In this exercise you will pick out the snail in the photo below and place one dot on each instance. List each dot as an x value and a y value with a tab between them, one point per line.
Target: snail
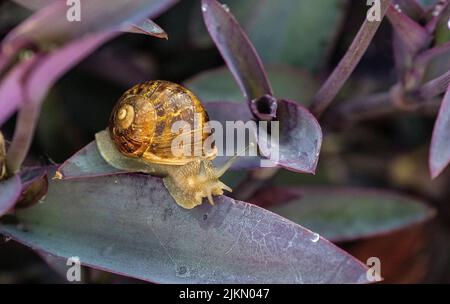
140	138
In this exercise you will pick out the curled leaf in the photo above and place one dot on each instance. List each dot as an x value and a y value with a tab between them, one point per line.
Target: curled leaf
299	141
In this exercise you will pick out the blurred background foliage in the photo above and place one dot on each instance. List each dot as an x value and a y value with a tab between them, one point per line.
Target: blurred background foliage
300	42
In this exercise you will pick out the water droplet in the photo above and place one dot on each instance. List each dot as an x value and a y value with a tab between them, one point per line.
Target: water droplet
448	23
204	7
315	237
226	8
397	7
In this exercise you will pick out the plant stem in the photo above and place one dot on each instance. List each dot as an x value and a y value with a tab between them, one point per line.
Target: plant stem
23	136
376	105
2	157
348	63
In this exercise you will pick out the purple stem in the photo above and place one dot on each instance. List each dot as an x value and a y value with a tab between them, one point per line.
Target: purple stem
348	63
23	136
434	87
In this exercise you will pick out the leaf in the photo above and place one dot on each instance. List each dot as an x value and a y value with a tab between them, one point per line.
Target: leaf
46	70
414	36
34	4
440	142
129	224
281	30
148	27
96	17
11	95
10	190
300	139
34	186
347	214
411	7
86	163
287	82
442	34
237	50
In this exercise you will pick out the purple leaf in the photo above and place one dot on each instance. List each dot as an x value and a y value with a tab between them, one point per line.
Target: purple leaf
34	4
128	224
411	7
237	50
10	190
413	35
438	15
86	163
148	27
300	138
300	135
43	75
95	17
11	91
440	142
345	214
34	186
434	56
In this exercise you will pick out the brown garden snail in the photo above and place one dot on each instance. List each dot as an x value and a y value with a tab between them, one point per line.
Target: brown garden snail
140	138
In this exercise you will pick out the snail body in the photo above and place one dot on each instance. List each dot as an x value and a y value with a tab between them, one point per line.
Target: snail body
140	139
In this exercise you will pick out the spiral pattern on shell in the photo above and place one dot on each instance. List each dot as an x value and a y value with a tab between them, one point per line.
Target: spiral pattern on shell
141	122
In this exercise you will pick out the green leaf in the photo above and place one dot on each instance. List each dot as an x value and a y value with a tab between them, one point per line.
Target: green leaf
286	31
342	214
287	82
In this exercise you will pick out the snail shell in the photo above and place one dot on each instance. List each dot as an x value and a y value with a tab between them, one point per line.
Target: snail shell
140	138
142	120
